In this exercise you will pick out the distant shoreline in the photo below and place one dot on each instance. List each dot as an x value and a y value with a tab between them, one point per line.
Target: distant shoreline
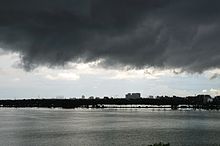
164	103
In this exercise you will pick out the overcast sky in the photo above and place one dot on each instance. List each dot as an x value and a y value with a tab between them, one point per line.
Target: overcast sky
72	48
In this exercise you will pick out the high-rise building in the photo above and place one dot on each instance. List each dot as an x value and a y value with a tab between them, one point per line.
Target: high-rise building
133	96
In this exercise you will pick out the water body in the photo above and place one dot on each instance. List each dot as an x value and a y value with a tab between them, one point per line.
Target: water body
106	127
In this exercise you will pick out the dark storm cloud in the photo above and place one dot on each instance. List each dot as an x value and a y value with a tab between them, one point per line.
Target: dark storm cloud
136	33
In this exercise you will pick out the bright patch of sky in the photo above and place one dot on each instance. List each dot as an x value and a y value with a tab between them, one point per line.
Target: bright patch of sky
75	80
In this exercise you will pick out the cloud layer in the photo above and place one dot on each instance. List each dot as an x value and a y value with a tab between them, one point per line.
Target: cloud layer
135	33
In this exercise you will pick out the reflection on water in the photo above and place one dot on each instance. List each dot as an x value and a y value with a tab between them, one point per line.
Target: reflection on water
108	127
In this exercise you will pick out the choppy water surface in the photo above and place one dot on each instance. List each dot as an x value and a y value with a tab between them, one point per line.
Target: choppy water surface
98	127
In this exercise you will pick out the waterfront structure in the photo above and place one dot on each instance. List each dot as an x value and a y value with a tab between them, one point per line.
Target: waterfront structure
133	96
201	99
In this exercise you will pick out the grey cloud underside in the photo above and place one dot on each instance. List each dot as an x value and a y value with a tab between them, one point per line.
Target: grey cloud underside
136	33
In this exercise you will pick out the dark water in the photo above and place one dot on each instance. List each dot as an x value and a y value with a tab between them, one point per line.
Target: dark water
98	127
